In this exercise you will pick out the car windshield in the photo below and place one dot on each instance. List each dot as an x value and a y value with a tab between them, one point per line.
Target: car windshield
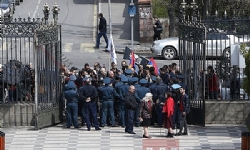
4	2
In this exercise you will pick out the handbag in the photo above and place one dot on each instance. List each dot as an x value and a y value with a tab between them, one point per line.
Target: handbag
159	29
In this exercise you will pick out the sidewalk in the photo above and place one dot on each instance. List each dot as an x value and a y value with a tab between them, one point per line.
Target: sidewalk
210	137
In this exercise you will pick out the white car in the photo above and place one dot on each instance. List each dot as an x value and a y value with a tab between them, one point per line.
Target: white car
216	45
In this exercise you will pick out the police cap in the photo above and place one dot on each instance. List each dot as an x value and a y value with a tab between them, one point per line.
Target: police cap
124	79
143	81
86	78
153	78
134	79
72	78
128	71
107	80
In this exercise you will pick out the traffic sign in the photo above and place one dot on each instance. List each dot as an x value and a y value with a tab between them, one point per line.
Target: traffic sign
131	10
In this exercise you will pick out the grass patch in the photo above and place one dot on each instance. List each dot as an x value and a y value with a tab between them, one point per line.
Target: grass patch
160	8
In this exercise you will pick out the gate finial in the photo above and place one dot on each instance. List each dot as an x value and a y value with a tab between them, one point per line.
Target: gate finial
183	10
55	11
46	12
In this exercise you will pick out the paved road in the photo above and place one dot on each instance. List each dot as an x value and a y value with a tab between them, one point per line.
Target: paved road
79	21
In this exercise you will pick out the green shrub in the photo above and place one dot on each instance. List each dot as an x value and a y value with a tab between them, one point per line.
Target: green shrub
160	8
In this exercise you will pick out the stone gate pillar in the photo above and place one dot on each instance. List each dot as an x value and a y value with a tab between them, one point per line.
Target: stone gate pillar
145	21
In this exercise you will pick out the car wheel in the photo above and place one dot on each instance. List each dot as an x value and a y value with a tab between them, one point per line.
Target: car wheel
169	53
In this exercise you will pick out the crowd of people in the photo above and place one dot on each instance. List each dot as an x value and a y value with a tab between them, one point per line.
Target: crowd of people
136	98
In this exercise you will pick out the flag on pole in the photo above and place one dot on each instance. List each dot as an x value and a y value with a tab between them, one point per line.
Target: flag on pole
111	49
127	53
132	60
153	63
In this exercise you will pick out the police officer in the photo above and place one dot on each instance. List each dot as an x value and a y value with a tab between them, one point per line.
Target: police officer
106	95
122	91
135	82
161	89
72	104
128	73
88	95
141	92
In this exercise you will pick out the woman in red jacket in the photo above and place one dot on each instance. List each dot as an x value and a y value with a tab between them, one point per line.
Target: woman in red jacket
168	110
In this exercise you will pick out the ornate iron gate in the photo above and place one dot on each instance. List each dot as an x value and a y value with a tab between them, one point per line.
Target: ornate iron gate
47	62
205	47
192	52
30	68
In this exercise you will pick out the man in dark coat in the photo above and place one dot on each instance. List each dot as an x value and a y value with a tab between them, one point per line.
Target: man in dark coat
184	109
130	107
157	28
88	95
161	89
72	104
102	31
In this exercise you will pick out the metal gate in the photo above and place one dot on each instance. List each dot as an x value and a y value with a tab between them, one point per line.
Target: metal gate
47	62
192	61
30	67
205	47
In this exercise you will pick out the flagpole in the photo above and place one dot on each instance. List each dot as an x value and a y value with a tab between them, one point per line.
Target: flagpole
110	26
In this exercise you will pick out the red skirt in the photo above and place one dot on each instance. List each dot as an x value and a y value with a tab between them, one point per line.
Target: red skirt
168	121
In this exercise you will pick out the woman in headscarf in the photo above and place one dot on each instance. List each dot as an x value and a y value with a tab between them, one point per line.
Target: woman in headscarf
146	113
168	110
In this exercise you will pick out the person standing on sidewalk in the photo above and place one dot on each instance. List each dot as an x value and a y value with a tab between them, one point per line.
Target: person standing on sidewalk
168	110
72	104
88	94
102	31
157	28
184	108
146	113
130	105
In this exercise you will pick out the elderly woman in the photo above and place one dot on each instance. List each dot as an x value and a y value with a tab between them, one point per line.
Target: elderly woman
145	113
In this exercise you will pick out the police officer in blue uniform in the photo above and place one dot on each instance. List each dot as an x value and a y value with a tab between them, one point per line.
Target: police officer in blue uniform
107	95
122	91
72	104
141	92
161	89
135	82
128	73
88	95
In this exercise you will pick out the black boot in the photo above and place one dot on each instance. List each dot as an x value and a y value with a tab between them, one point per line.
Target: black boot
170	135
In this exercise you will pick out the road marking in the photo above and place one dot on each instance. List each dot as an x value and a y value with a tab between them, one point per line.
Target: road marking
67	47
87	48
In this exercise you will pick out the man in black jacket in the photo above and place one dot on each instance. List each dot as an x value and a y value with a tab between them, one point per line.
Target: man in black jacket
130	107
88	95
157	28
102	31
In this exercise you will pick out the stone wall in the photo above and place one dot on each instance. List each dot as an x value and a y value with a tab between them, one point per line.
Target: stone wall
227	112
145	21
